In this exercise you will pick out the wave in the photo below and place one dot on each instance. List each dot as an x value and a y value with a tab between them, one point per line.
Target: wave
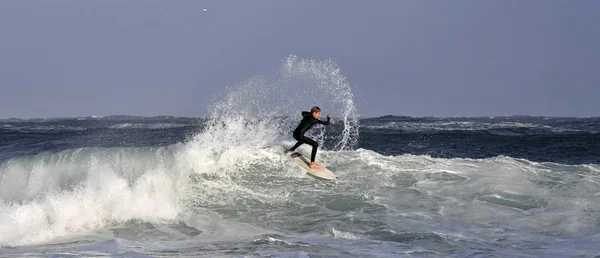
93	118
454	125
56	194
508	126
40	128
147	126
53	195
75	125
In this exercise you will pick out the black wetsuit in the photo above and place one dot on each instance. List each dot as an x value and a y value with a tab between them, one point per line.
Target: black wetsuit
307	122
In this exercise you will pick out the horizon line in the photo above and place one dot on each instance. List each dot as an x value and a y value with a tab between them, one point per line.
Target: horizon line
359	117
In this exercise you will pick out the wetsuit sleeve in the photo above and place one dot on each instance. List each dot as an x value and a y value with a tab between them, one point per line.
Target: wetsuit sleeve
305	113
324	122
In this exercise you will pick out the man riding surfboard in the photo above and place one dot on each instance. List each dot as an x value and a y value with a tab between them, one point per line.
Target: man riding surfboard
309	119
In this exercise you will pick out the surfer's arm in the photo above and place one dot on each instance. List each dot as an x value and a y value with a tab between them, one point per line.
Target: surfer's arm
324	122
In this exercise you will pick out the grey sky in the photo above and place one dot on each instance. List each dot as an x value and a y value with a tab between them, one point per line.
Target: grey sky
415	58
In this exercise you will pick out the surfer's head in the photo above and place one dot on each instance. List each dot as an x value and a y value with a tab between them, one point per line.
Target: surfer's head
315	111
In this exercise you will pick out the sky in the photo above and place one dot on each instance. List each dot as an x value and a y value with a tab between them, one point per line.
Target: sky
408	58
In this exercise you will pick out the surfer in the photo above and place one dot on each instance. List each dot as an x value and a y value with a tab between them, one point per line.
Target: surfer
309	119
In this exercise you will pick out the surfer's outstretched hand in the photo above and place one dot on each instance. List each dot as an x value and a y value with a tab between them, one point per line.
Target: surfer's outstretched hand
328	115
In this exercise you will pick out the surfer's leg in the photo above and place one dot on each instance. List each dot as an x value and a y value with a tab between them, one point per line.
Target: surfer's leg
314	145
296	146
298	138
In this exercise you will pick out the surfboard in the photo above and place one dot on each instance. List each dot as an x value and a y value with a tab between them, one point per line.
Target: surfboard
320	172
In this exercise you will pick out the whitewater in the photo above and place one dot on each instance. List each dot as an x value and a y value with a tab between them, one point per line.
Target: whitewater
221	186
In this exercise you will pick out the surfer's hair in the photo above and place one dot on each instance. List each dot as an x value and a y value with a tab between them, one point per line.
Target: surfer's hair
315	109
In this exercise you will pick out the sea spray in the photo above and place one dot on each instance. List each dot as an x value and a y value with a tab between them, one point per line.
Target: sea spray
328	81
275	102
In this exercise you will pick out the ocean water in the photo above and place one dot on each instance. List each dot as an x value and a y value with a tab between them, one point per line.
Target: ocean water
220	186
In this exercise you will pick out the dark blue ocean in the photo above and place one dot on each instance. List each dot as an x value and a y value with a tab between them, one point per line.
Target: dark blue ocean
566	140
221	186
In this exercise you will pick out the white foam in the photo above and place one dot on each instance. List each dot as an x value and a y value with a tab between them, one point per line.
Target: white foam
344	235
218	229
516	193
74	192
54	195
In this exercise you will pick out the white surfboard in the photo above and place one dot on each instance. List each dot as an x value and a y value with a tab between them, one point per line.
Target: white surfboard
320	172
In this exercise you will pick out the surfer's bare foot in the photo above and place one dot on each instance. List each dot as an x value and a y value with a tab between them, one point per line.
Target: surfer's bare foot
288	152
314	165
